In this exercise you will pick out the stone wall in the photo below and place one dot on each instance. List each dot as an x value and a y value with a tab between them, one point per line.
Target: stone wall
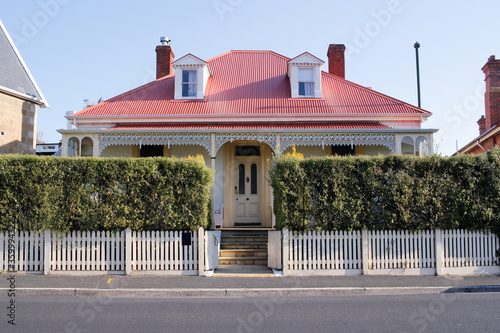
17	125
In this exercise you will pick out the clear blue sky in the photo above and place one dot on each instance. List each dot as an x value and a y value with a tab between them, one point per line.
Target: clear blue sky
80	50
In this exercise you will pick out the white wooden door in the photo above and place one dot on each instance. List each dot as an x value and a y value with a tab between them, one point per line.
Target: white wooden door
247	190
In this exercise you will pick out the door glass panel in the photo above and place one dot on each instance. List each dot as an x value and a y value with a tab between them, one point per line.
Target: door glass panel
253	175
241	178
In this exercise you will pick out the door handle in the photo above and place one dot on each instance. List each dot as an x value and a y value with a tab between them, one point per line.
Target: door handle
247	199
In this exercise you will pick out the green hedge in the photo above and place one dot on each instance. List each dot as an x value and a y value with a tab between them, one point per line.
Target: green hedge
103	194
392	192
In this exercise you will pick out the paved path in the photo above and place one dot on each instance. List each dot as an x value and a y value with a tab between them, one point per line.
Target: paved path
184	286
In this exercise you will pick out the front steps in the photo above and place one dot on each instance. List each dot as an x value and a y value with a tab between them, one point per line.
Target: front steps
243	247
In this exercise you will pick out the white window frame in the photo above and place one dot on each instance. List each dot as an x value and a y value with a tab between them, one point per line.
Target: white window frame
305	95
189	83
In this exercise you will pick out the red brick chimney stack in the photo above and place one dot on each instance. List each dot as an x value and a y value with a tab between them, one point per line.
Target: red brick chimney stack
336	62
482	125
164	58
492	96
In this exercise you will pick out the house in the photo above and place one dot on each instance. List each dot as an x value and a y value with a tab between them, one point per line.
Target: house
489	124
237	110
20	98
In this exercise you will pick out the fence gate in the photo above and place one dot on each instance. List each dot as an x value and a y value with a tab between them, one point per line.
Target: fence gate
274	250
212	249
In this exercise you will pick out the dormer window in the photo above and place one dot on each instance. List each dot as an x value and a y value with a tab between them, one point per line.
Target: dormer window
306	82
191	77
189	83
305	76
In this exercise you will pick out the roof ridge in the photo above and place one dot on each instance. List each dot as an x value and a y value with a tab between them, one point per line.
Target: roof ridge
248	51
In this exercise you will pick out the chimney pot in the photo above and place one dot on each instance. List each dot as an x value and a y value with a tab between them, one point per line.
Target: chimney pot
336	62
482	125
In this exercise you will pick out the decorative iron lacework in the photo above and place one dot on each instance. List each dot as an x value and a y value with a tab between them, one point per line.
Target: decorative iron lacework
106	140
221	139
387	140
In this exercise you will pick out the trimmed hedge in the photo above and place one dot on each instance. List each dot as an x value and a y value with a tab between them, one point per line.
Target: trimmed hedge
391	192
103	194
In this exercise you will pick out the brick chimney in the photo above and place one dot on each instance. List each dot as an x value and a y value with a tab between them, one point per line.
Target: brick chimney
482	125
164	58
492	96
336	64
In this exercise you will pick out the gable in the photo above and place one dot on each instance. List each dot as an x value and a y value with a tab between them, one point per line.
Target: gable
15	77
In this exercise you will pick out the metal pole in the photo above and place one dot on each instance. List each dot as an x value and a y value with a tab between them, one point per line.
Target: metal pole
416	46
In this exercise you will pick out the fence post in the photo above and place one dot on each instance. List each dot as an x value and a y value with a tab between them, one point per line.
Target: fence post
201	251
364	252
128	251
439	251
46	252
286	252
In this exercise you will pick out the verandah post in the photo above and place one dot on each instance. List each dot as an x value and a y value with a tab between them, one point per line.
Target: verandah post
439	251
364	252
46	252
128	251
201	251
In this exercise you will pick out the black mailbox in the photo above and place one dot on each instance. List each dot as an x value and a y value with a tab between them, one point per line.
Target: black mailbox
186	238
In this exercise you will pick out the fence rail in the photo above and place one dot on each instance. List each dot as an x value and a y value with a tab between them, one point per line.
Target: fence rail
45	252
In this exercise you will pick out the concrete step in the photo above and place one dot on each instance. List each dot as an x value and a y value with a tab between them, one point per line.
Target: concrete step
243	261
243	245
243	239
243	253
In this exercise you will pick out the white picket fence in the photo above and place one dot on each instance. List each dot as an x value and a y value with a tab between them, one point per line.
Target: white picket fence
163	251
456	252
333	253
411	252
105	252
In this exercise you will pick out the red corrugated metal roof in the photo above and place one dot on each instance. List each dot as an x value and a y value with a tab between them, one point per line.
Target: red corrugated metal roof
256	126
250	83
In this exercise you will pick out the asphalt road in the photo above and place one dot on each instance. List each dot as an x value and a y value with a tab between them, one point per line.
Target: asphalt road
375	313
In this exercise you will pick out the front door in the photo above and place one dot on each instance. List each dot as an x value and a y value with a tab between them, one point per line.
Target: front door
247	190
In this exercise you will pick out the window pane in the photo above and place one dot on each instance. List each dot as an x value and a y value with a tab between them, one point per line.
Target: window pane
306	88
306	74
241	179
189	90
253	174
188	76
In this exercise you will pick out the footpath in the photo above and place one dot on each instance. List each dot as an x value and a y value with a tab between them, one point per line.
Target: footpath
240	286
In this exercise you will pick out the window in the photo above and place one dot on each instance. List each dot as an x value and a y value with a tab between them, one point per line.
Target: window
343	150
306	82
151	151
189	84
247	150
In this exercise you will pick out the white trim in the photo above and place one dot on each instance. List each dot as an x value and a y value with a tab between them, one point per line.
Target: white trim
43	102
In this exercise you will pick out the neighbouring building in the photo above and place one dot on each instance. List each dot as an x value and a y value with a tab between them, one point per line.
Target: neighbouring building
20	98
237	110
489	124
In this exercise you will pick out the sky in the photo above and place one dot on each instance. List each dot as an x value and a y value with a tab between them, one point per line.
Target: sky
78	50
